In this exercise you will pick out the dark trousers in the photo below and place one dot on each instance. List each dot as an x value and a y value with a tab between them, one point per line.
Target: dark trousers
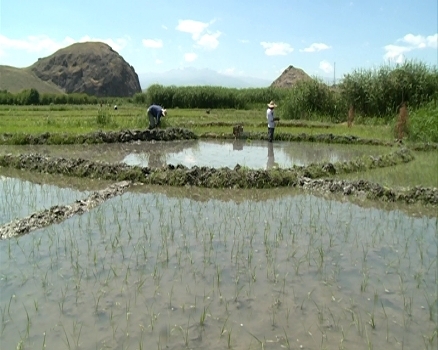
271	134
153	121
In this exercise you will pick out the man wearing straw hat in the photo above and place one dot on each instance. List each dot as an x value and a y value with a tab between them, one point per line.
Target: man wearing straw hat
271	120
155	113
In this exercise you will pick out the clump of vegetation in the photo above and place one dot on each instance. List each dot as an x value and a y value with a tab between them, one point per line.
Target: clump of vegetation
423	124
103	118
380	92
350	119
402	122
312	99
207	97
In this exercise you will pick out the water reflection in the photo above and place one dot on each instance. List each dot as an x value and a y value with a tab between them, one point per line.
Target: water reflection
211	153
238	145
271	156
157	159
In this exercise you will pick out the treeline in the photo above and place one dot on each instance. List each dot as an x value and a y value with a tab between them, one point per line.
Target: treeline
33	97
207	96
372	93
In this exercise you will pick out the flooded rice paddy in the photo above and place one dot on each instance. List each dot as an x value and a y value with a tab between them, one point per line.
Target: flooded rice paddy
152	270
220	153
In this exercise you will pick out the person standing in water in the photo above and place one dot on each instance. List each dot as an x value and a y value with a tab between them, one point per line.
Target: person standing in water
271	120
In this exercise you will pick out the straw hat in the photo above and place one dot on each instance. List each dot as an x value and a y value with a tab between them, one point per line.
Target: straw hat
272	104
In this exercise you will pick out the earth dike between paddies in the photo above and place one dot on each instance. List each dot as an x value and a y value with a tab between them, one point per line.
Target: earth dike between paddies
169	134
59	213
315	177
175	134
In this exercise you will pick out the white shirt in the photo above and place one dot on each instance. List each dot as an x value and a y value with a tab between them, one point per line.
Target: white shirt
270	118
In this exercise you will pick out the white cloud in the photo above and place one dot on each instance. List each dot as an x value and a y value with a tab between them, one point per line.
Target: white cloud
409	42
190	56
325	66
315	47
432	41
202	37
209	41
395	53
192	27
158	61
152	43
276	49
164	27
45	44
244	41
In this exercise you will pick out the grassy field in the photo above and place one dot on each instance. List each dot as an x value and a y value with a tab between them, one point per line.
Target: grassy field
88	118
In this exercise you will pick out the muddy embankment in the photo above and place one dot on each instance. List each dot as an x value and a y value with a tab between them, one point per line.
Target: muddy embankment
324	138
169	134
59	213
174	134
315	177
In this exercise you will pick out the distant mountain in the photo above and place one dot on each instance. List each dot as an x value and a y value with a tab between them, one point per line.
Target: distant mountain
92	67
290	77
192	77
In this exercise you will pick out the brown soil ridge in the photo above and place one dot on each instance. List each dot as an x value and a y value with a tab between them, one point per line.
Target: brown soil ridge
59	213
315	177
168	134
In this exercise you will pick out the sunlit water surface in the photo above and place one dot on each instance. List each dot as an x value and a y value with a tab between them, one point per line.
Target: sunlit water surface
149	270
219	153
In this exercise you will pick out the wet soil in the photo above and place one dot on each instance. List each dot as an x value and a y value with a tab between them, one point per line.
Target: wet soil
59	213
170	134
312	177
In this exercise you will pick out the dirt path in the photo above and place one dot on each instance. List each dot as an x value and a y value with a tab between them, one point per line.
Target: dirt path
59	213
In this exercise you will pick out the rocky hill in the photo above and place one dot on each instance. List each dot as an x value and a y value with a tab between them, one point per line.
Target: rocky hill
93	68
290	77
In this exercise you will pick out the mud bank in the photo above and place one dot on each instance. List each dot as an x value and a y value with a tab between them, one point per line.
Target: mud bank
177	133
59	213
323	138
372	190
169	134
239	177
180	175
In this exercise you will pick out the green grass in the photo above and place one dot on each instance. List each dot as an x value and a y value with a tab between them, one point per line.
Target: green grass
88	118
84	119
422	171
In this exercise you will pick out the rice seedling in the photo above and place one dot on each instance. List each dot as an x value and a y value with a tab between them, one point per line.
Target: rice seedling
221	262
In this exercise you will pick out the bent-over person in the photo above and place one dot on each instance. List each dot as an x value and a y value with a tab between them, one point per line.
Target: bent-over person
155	112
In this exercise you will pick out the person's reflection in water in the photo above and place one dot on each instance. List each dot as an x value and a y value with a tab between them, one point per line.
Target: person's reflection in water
156	160
271	158
238	145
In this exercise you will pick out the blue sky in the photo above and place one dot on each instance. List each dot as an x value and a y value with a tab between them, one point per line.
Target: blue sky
251	38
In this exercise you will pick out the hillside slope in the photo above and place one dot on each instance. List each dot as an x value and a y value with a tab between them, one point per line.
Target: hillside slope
17	79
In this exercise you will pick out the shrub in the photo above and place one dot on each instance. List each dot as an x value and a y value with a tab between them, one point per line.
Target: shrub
423	124
103	118
312	99
380	92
